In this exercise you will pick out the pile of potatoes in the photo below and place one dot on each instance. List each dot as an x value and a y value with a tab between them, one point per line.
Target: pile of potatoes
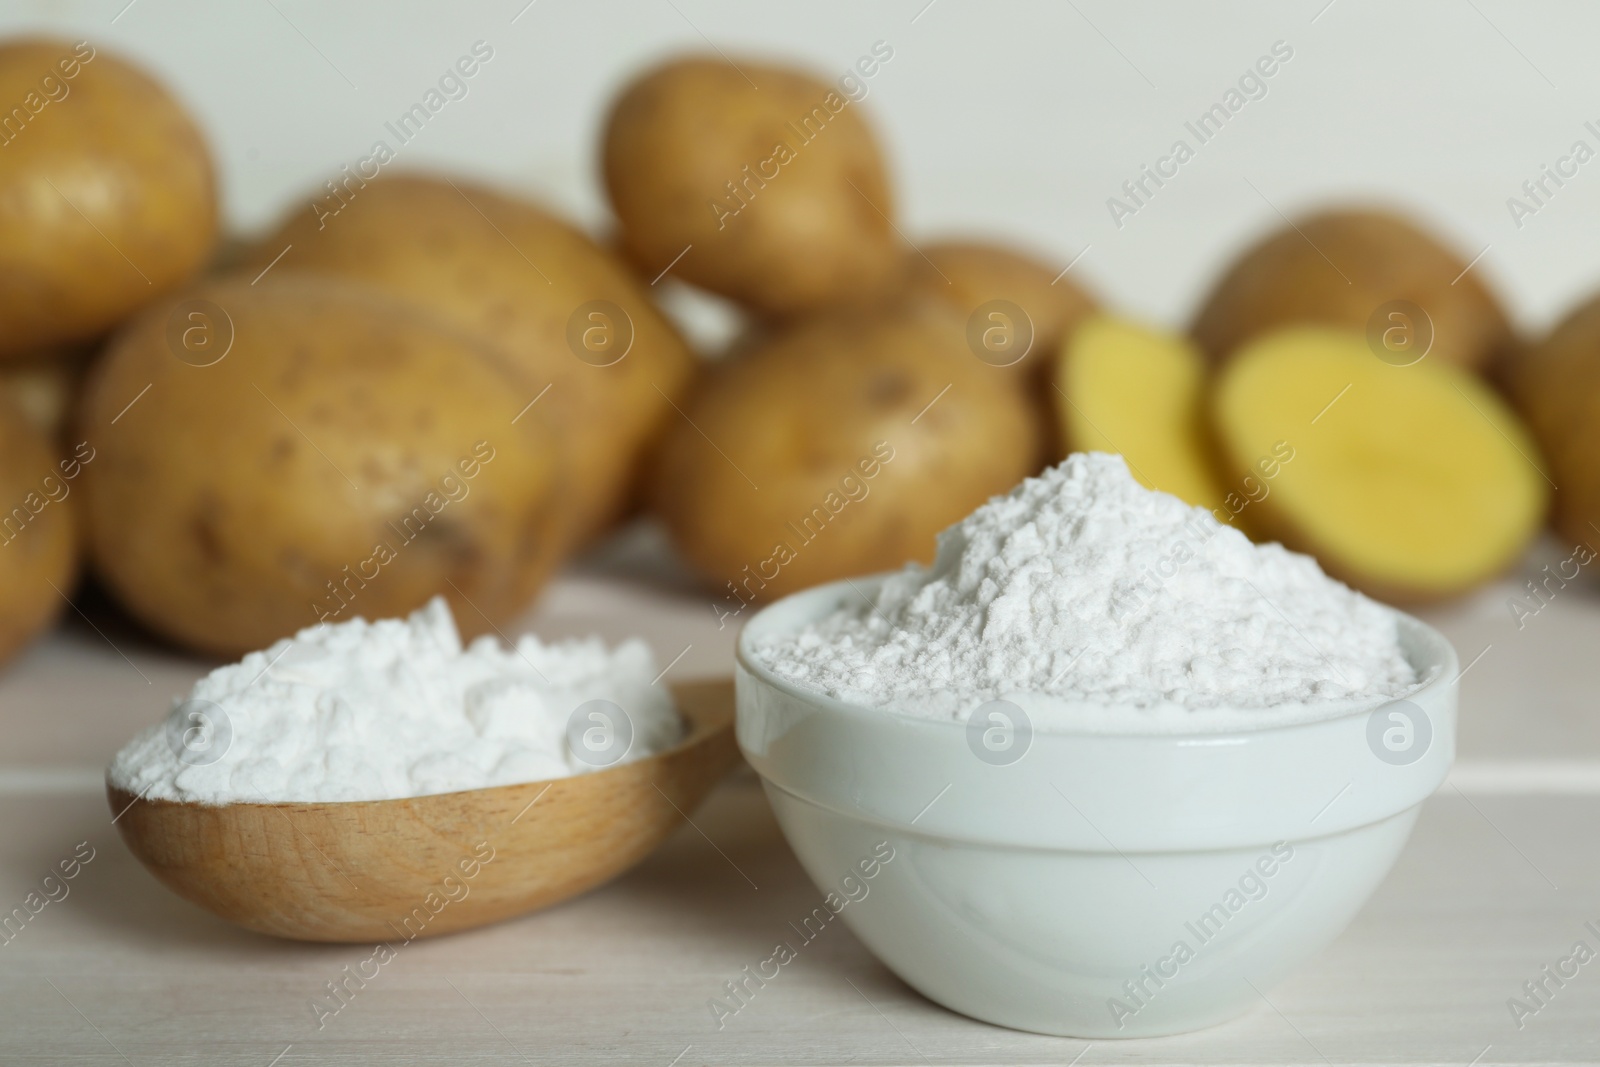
1328	395
883	389
1332	395
419	385
415	386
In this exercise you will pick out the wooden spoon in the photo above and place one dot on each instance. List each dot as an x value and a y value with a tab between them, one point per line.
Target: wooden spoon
387	869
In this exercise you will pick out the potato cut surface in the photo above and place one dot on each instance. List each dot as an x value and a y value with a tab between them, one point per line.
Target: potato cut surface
1128	389
1409	482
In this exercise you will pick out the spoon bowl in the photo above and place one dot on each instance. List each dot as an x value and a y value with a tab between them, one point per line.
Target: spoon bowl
422	866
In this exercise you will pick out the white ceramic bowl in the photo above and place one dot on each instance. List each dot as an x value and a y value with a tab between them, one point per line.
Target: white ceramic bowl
1101	885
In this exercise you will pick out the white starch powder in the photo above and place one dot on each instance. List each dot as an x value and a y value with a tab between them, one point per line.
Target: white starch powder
1084	586
398	708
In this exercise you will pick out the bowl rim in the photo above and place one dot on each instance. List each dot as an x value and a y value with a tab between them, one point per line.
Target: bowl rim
1442	668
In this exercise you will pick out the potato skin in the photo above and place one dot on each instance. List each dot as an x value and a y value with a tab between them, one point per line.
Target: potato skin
809	228
838	414
1555	386
966	274
1376	257
38	530
515	276
45	387
235	503
107	196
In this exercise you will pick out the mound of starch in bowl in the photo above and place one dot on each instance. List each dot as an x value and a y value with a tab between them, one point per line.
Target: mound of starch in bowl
1083	585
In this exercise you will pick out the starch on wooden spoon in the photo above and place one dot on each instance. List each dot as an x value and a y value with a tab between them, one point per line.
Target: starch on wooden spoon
360	711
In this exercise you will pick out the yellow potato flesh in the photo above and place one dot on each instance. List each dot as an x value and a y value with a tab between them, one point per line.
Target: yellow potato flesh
1414	481
1127	389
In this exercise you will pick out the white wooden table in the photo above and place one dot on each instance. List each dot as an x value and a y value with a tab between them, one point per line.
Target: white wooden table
1498	881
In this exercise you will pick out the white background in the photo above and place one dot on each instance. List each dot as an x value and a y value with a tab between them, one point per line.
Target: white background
1011	118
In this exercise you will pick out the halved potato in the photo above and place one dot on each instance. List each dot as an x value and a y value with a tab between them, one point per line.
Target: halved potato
1411	483
1358	270
1125	388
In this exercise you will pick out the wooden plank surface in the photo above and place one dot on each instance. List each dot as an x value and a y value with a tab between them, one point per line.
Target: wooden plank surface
1489	891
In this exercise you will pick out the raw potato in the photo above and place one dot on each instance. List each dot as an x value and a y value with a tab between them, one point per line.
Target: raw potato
1556	387
969	274
1410	483
520	278
1124	388
107	197
1338	268
343	456
38	530
45	388
836	449
805	226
